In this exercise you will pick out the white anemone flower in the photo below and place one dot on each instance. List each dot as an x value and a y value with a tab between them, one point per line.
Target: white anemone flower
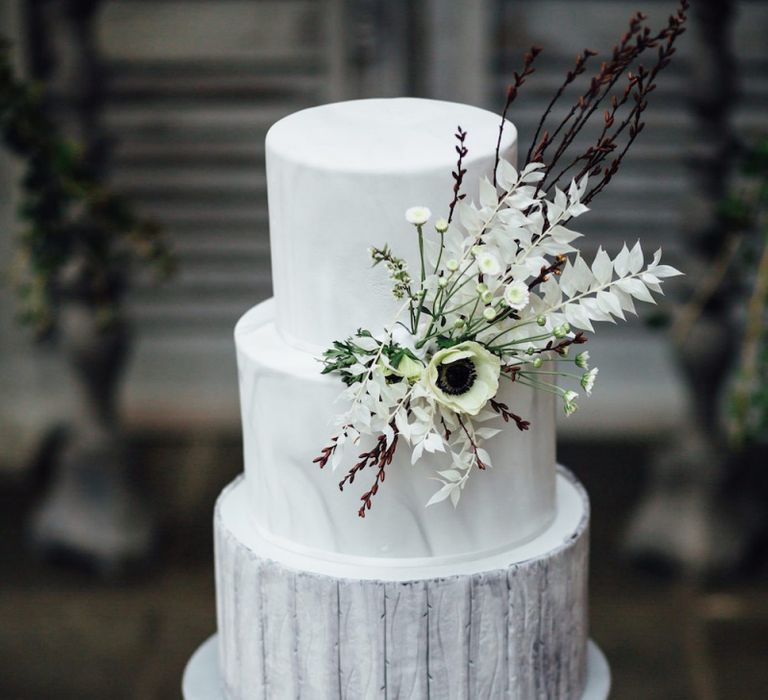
463	378
488	264
517	295
418	216
582	360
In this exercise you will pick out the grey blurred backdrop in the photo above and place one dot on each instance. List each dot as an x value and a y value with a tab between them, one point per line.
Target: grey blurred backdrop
191	87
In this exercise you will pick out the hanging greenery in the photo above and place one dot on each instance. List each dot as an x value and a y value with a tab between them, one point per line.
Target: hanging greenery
79	238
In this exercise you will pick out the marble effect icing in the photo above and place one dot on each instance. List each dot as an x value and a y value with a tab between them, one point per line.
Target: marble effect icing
339	179
287	411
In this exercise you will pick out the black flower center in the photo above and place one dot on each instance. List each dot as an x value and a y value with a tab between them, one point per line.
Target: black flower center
456	377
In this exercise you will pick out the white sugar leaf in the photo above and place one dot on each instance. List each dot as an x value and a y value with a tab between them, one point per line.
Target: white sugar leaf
553	295
488	195
608	302
561	201
636	288
583	277
554	211
649	278
602	267
521	198
469	217
450	474
486	433
416	452
656	258
625	301
564	235
441	494
389	434
455	495
484	457
666	271
621	262
635	258
533	166
577	209
568	279
512	217
401	421
552	247
593	310
433	443
533	177
506	175
577	316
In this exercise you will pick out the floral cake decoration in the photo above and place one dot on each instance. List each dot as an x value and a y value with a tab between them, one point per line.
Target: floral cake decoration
501	293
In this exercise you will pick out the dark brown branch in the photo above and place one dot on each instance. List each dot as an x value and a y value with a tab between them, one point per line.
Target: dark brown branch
579	68
479	462
379	456
512	90
503	410
458	174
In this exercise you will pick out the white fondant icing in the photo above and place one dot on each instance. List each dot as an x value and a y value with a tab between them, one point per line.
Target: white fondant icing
288	409
340	178
572	516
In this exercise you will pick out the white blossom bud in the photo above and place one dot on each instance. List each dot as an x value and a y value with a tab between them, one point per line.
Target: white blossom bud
481	287
441	225
486	296
582	360
489	313
560	331
537	362
442	282
541	320
452	264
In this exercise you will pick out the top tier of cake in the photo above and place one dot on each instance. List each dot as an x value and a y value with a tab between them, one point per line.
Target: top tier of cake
340	178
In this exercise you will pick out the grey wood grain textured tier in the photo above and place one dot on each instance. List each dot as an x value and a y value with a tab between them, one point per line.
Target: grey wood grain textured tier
518	632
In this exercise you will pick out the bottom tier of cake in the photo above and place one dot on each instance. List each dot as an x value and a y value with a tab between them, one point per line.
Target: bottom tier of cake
512	625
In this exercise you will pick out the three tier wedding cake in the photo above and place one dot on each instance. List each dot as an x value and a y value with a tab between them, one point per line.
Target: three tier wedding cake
458	569
478	600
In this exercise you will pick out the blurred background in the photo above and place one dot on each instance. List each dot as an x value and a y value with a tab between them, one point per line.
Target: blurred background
118	389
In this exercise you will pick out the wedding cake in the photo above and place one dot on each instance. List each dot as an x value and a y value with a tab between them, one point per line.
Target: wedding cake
487	599
459	568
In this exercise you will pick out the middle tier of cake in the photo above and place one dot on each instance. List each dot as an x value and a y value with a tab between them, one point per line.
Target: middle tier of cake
288	408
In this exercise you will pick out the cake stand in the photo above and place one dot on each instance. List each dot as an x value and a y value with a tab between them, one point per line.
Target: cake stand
202	681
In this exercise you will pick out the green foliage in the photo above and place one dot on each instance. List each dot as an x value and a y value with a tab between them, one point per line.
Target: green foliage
748	401
78	236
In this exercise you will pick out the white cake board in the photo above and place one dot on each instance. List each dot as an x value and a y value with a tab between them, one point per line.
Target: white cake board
201	680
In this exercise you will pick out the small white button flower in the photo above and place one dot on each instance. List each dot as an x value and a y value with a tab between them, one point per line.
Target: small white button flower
452	265
488	264
582	360
517	295
569	402
418	216
489	313
588	380
487	296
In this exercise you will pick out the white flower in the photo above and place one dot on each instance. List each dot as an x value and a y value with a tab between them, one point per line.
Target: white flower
588	380
569	402
488	264
516	295
418	216
582	360
464	377
489	313
441	225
